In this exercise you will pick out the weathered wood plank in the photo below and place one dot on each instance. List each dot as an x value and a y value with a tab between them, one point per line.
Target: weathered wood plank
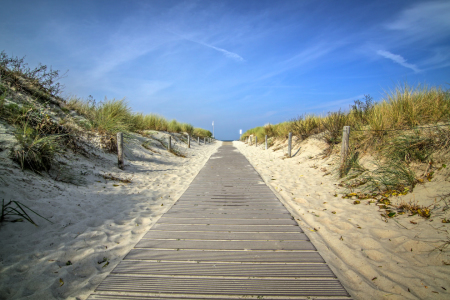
214	286
225	245
177	219
229	228
248	236
224	269
228	215
226	256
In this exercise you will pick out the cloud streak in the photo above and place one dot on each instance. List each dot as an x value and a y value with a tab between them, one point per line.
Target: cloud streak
398	59
228	54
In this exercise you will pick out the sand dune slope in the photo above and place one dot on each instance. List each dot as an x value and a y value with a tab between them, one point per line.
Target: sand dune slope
373	259
95	223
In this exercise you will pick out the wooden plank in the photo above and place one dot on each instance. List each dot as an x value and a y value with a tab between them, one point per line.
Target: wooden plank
215	286
236	209
121	296
224	269
217	205
233	220
248	236
228	215
230	228
225	245
225	256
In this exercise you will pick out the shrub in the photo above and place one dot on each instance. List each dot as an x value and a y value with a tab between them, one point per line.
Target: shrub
174	126
35	151
41	80
304	126
200	132
333	124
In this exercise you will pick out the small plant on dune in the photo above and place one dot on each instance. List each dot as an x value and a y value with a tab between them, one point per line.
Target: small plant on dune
391	175
333	124
174	126
304	126
410	147
415	209
361	110
41	82
35	151
269	130
187	128
112	116
18	210
202	133
351	166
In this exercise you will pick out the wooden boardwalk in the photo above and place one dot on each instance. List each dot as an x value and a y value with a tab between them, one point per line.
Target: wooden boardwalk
227	237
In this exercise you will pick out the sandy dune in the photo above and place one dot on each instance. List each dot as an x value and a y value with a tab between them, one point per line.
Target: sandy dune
97	219
372	258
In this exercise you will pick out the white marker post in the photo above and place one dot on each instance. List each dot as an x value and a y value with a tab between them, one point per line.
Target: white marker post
240	134
213	128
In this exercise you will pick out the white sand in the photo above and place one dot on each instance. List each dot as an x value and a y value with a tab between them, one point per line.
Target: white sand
101	218
372	258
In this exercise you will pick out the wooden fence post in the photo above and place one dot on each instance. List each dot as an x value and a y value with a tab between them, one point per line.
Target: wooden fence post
345	144
169	145
204	141
256	141
189	141
198	140
251	140
120	150
266	142
290	144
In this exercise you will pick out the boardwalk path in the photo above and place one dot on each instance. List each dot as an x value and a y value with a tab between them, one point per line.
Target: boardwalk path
228	236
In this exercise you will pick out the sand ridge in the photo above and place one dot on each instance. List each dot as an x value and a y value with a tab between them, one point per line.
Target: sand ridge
372	258
95	223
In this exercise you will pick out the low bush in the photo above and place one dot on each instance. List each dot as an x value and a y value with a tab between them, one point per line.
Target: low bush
35	150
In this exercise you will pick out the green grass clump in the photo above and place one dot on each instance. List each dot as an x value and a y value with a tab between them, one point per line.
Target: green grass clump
35	151
391	175
202	133
304	126
187	128
112	116
174	126
155	122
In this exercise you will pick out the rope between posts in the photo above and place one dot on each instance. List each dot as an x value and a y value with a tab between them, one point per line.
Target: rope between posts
408	129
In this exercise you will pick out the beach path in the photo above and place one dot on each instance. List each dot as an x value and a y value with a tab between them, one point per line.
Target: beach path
227	237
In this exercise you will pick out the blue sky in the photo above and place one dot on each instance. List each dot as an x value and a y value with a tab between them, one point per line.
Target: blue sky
240	63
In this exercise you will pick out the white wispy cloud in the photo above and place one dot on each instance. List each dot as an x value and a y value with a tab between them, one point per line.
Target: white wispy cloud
229	54
307	55
430	20
398	59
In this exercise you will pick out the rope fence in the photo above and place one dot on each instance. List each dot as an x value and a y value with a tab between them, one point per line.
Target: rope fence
345	148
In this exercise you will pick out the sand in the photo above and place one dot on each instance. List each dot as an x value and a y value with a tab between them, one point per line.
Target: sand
374	259
95	219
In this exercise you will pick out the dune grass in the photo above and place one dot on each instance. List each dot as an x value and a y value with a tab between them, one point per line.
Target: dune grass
410	124
43	131
112	116
202	133
402	108
19	210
